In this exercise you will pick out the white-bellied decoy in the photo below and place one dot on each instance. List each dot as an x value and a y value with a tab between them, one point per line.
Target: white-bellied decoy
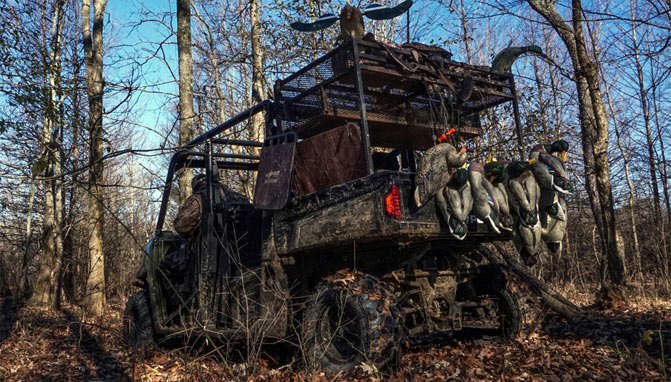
497	175
485	204
554	225
455	203
523	196
549	170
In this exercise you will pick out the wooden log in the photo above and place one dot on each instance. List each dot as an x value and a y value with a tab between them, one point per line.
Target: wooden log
554	300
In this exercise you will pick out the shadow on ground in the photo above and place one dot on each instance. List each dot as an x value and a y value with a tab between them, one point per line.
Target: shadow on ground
7	317
627	332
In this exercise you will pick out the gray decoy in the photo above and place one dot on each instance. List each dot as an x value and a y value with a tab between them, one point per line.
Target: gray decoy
549	170
497	175
483	194
455	203
523	196
554	226
434	170
503	61
523	192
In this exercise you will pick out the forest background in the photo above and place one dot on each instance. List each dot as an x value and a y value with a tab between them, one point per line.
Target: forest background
90	113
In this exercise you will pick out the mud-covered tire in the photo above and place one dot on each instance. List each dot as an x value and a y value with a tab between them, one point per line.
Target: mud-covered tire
351	318
137	329
530	308
519	309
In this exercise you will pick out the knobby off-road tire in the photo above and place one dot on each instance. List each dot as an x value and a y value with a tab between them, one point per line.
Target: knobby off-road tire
351	318
137	325
520	310
530	306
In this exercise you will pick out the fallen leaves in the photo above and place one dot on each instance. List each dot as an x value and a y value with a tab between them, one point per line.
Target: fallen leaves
615	346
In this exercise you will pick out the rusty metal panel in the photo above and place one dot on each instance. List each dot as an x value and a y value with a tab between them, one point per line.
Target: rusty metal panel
273	181
329	158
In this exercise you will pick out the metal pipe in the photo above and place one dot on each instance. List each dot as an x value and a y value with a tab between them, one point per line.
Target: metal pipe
365	137
223	155
236	142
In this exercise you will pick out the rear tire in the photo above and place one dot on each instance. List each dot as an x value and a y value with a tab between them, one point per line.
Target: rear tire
519	309
350	319
137	324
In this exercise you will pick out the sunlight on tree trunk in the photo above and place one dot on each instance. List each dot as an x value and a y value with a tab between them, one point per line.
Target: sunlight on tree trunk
93	46
186	113
47	287
594	128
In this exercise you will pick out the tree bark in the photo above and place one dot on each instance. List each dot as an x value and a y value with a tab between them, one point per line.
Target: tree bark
48	287
645	110
594	129
258	80
93	47
186	113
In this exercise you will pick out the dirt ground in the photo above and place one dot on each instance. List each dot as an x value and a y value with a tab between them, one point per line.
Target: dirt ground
37	344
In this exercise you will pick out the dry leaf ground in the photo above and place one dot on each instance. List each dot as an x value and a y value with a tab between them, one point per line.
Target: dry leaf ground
37	344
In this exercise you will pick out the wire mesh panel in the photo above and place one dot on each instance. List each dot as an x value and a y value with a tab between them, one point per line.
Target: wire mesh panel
411	94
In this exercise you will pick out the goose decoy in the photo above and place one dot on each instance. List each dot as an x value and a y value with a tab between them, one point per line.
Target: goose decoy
482	192
455	203
434	170
503	61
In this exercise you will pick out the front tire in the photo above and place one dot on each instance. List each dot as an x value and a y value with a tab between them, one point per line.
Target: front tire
137	325
350	319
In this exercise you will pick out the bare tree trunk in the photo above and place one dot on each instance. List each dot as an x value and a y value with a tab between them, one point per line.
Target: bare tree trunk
258	89
186	114
465	37
665	182
258	81
627	173
594	127
47	287
93	47
645	109
70	263
214	61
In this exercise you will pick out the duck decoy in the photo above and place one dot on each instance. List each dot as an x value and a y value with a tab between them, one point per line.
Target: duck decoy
485	203
455	203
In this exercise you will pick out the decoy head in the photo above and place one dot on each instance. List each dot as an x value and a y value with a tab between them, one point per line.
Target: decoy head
561	147
458	179
495	172
517	168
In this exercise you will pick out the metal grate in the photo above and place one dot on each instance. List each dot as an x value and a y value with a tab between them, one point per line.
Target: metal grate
410	96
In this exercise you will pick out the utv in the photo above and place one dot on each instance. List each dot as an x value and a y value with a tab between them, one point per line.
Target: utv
332	253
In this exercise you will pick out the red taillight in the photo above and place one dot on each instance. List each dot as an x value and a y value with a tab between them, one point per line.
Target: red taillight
392	203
